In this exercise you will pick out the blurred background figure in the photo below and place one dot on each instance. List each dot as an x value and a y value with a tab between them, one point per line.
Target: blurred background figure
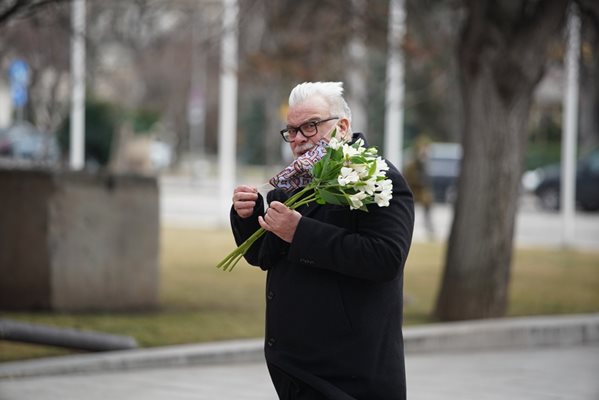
416	173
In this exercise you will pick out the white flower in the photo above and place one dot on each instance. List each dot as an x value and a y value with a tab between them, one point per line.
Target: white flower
348	175
382	198
368	186
371	153
335	144
356	200
349	151
361	169
384	185
381	165
360	144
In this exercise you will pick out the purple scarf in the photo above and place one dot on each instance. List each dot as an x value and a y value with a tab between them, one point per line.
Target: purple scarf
297	174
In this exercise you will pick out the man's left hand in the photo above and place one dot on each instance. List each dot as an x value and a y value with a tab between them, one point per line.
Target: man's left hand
280	220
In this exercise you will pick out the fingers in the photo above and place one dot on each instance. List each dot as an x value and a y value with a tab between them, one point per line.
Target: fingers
280	220
245	188
278	207
245	193
264	224
244	200
272	217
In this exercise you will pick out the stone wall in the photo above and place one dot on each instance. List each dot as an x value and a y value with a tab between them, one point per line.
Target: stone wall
78	241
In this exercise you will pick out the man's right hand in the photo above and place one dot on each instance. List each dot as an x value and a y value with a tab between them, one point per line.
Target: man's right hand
244	200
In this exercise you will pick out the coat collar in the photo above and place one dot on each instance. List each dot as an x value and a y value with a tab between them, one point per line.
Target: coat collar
358	135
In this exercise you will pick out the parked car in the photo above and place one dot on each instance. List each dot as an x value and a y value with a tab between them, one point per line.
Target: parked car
24	141
443	167
545	183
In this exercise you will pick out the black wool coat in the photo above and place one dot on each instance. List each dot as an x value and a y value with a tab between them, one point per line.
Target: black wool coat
334	296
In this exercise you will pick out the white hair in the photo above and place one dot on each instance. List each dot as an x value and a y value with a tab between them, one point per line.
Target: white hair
331	92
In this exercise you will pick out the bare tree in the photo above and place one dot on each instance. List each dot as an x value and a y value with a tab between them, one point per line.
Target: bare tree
589	86
502	54
39	39
12	9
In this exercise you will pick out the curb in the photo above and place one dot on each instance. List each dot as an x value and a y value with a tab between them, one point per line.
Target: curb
443	337
522	332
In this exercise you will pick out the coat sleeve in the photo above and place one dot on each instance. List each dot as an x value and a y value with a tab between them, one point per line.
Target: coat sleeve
243	228
269	248
375	248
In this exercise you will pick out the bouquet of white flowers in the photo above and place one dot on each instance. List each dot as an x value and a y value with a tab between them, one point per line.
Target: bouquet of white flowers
347	175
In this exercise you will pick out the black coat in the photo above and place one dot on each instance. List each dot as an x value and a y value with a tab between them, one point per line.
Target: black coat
334	295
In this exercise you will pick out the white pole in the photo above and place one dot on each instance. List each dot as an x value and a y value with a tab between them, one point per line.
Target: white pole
395	83
77	152
196	113
356	68
227	113
570	127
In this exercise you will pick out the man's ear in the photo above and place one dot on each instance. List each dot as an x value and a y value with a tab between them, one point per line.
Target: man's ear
343	128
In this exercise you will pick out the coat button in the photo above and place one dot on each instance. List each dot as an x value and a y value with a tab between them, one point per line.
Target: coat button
271	342
270	295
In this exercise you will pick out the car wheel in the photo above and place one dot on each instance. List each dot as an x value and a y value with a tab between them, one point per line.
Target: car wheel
549	198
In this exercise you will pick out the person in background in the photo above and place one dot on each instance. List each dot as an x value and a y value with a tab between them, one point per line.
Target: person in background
416	173
334	284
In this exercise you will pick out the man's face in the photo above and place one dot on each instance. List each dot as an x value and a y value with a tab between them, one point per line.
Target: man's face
314	109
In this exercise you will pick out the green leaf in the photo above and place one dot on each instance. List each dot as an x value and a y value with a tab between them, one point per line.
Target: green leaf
317	170
332	173
372	169
331	197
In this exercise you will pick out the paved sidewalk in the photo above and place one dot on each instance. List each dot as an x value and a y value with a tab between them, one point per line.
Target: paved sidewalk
533	374
518	358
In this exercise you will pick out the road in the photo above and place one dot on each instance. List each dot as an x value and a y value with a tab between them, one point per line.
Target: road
190	203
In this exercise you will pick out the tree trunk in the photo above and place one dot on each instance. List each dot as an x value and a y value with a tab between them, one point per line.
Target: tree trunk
501	56
589	84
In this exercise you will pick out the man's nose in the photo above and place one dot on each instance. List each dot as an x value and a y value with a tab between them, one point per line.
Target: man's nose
300	138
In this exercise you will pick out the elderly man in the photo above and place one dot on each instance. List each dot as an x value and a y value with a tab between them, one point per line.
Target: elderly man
334	275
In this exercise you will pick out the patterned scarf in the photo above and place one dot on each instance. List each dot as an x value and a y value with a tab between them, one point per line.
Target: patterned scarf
297	174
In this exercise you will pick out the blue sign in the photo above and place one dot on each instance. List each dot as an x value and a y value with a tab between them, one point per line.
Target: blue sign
18	73
18	95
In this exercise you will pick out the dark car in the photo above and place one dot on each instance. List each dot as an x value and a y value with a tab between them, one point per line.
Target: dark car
545	184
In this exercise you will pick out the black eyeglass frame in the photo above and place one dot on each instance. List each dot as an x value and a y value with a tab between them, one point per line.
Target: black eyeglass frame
299	128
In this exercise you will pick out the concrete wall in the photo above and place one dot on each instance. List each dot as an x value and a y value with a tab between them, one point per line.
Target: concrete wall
78	241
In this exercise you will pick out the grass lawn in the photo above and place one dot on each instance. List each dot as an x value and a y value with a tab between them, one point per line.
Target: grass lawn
200	303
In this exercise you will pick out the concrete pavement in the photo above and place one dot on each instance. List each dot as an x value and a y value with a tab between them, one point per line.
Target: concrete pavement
568	373
519	358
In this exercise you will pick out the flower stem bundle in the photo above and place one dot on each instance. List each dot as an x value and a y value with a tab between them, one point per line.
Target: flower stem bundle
347	175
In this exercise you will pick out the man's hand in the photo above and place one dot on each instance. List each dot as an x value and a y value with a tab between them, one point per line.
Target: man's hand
280	220
244	200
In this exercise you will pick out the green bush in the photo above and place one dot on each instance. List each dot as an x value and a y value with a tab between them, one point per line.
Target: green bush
101	122
102	119
542	154
143	120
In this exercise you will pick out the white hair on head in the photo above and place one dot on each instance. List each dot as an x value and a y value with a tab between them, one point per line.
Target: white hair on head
331	92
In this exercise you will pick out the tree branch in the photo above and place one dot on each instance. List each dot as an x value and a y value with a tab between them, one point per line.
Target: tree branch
24	8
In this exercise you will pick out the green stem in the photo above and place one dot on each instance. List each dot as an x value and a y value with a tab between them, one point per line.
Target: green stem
306	200
290	201
231	260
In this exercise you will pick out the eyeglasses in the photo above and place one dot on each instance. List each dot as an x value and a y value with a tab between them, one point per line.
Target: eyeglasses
308	129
